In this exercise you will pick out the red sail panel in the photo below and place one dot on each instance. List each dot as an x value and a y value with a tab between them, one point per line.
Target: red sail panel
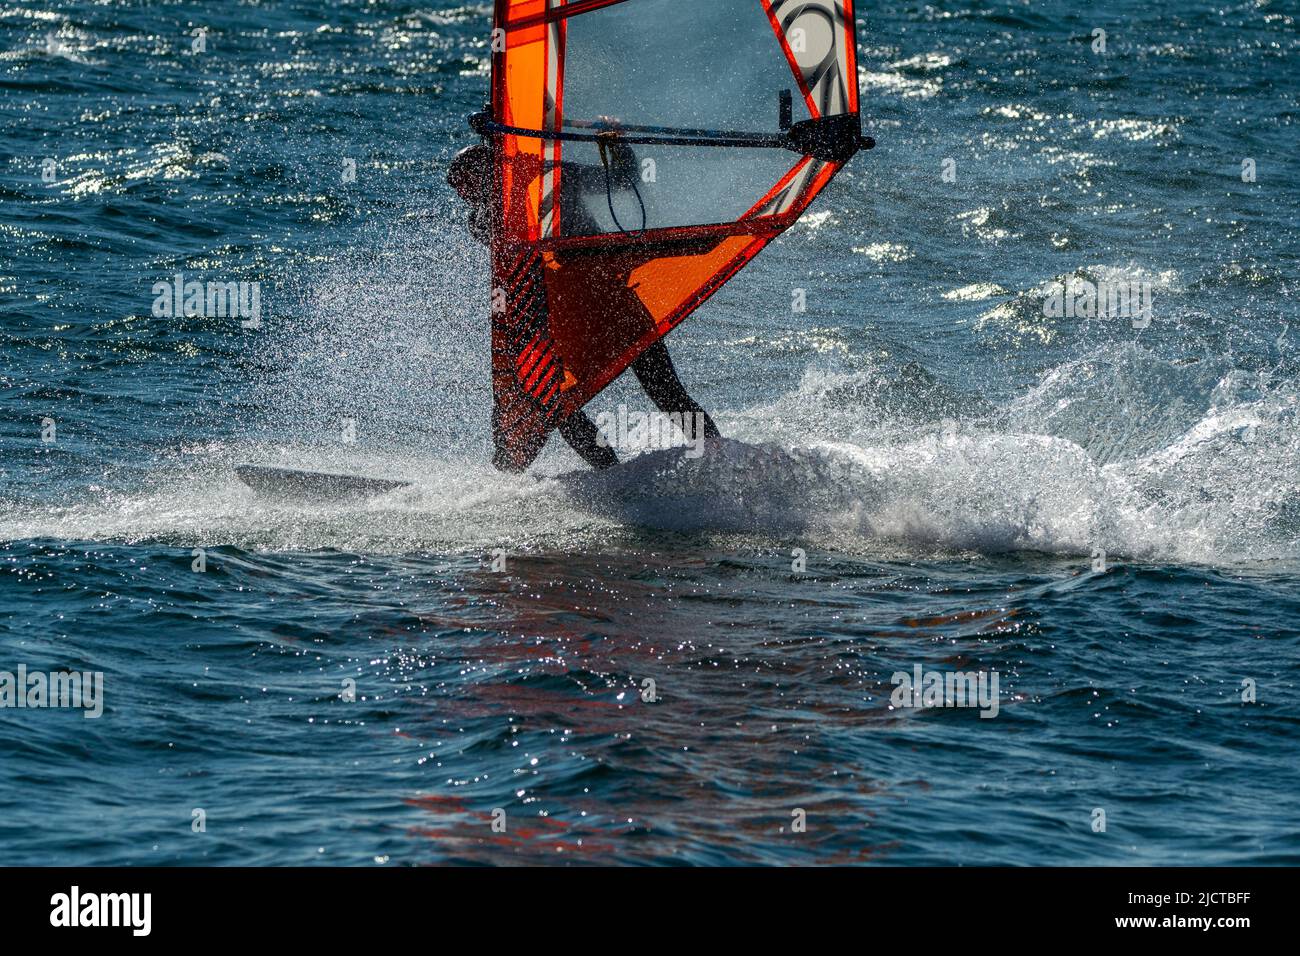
597	256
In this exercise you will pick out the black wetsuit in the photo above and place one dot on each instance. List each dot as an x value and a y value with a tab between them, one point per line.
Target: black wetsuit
654	368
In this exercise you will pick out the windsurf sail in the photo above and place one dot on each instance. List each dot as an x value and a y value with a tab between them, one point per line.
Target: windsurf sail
646	151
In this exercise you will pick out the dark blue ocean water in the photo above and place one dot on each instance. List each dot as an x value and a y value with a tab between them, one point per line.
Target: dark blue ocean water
946	458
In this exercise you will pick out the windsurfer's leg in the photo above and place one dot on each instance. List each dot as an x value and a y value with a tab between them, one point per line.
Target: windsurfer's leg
654	370
582	435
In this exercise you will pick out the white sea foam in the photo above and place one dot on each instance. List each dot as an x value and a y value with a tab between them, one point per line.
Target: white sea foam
1213	480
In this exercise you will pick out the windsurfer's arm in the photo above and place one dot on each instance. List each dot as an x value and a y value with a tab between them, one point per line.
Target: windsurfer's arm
622	163
587	179
619	167
618	155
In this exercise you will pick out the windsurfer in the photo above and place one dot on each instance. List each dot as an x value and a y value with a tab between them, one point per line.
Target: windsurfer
472	175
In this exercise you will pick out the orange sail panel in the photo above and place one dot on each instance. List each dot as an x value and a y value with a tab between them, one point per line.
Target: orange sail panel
643	159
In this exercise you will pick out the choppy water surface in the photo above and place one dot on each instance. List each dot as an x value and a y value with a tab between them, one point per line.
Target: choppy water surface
924	467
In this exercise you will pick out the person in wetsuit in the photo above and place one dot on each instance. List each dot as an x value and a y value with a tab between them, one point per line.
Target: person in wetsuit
472	175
